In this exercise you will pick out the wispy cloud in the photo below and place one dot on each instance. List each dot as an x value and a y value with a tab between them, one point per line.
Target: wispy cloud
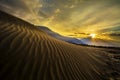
68	16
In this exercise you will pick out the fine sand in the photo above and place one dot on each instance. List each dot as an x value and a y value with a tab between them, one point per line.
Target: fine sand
27	53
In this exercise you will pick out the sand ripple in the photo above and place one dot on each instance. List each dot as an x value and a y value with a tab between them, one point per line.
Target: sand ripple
27	53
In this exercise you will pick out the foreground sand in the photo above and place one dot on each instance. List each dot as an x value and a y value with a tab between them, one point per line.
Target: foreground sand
27	53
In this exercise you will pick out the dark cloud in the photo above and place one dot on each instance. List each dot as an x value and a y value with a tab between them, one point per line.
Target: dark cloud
14	4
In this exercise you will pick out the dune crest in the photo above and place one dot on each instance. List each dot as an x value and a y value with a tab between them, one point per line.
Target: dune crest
27	53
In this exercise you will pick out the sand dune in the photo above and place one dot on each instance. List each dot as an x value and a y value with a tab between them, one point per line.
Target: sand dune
27	53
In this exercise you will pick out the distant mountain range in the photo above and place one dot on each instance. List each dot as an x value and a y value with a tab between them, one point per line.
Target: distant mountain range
60	37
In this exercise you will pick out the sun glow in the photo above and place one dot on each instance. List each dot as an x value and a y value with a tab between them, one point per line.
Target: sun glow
92	35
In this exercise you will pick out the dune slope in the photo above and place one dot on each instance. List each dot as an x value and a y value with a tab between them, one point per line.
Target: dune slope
27	53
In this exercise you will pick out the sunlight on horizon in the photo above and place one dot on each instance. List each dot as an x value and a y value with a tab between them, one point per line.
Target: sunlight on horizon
92	35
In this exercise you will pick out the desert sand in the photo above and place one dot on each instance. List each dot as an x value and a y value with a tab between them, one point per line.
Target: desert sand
27	53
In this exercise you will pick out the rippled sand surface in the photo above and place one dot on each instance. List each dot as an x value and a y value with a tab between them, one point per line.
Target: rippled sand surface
27	53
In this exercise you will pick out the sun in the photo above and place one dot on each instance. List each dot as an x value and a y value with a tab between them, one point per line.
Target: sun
92	35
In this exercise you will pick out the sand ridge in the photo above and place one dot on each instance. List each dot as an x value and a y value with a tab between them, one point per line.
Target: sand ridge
27	53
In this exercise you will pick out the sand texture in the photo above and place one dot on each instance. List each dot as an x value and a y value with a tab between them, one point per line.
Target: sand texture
27	53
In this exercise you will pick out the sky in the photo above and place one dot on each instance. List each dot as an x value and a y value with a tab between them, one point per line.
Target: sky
68	17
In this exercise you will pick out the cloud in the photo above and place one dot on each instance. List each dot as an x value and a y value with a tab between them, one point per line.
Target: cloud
67	16
14	4
114	29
